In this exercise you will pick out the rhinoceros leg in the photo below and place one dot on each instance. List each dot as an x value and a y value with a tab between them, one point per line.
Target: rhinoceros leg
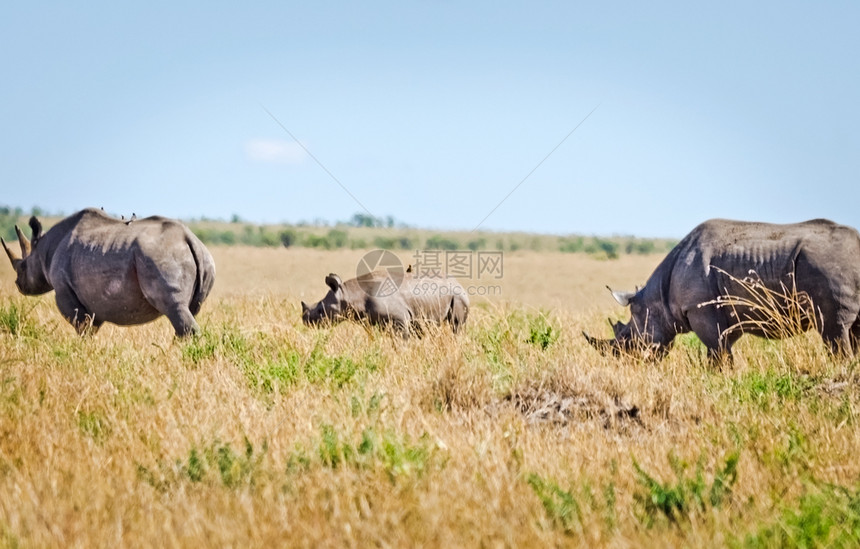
75	313
855	336
183	322
403	324
713	335
168	286
390	314
838	338
457	313
411	328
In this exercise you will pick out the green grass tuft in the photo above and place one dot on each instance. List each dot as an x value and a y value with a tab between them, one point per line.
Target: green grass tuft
687	495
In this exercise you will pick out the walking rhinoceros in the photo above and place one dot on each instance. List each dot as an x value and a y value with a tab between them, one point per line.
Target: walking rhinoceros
107	270
404	306
727	278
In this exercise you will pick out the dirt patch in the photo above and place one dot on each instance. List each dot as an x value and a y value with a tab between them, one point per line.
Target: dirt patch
838	386
545	406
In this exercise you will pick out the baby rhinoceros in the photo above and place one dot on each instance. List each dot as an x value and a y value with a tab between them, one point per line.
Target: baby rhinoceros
377	299
104	269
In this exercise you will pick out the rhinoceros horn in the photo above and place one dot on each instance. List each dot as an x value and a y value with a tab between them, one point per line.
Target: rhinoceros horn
617	327
13	257
602	345
623	298
25	248
304	307
25	244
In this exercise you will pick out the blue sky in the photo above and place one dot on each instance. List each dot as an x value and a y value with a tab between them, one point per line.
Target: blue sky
433	111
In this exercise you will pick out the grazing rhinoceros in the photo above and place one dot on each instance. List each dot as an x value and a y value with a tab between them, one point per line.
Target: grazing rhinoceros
376	298
124	272
727	278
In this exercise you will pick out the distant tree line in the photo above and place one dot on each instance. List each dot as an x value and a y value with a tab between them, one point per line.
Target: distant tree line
364	231
613	247
344	237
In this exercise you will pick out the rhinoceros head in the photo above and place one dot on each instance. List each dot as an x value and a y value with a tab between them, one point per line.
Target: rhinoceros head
331	308
645	334
28	267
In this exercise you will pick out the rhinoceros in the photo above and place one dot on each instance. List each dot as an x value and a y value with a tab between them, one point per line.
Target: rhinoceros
105	269
727	278
378	299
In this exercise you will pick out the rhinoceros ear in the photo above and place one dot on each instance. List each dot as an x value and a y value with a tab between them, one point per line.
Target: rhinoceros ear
304	307
623	298
36	227
334	282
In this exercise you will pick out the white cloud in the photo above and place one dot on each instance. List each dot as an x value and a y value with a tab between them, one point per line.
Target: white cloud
278	151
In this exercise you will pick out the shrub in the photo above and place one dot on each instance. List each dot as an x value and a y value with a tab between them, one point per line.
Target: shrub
385	242
600	246
541	332
438	242
477	244
289	237
573	244
317	241
643	247
338	238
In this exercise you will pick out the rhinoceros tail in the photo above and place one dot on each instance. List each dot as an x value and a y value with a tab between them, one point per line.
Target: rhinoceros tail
205	272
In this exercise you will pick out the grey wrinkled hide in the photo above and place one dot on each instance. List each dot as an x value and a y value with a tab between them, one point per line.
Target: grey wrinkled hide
124	272
818	260
417	301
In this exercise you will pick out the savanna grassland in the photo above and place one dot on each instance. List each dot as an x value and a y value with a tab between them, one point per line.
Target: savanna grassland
513	433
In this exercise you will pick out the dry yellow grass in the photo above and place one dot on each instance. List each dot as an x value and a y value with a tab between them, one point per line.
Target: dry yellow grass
515	433
573	282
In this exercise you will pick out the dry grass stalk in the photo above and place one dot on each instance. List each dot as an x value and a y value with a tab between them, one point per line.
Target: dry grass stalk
777	313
